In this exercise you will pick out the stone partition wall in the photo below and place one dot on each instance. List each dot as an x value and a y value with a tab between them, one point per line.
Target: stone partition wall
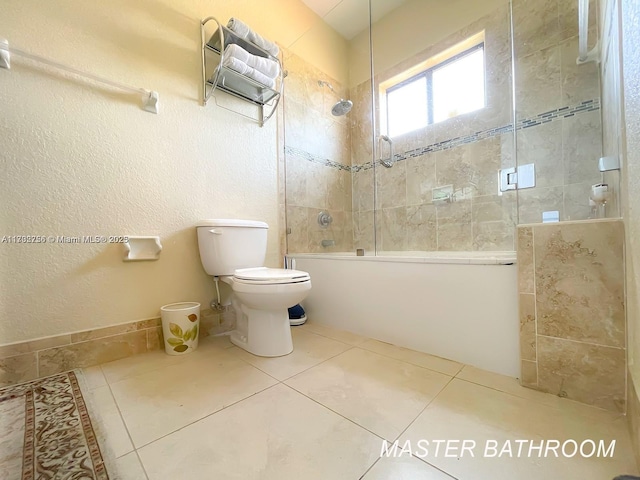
317	161
572	311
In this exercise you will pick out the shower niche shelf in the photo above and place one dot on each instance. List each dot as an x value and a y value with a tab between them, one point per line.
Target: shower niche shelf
218	78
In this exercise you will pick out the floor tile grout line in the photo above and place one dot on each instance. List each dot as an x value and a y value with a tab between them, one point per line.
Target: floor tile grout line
333	411
362	347
206	416
572	402
318	364
432	465
308	330
185	358
144	470
425	407
298	373
462	365
124	424
278	382
361	477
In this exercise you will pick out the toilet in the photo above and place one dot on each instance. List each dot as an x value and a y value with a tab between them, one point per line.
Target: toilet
234	250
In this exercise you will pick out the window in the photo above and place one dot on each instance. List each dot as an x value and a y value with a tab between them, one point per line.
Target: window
442	88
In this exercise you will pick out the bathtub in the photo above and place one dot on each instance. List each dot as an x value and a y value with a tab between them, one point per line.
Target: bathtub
458	305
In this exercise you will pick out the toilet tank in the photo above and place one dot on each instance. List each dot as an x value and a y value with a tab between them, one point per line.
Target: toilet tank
228	244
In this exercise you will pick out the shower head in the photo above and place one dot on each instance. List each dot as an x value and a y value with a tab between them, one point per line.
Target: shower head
342	107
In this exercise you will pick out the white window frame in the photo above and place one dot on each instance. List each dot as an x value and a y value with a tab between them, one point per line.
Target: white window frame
426	68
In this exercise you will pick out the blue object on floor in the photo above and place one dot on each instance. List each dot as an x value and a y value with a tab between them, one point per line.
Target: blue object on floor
296	312
297	315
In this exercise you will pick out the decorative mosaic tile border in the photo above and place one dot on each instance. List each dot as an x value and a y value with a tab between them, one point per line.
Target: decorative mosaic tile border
315	159
540	119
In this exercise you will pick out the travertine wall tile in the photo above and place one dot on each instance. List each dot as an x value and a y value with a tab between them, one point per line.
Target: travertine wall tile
581	148
421	179
576	201
102	332
524	249
542	146
150	323
535	25
527	309
576	282
392	186
532	202
33	345
92	352
579	282
529	374
579	82
588	373
18	368
422	228
155	338
455	237
538	82
393	229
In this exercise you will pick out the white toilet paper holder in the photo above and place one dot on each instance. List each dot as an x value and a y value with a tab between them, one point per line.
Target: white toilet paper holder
139	248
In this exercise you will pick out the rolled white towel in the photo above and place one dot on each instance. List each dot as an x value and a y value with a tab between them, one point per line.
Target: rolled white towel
239	66
269	67
242	29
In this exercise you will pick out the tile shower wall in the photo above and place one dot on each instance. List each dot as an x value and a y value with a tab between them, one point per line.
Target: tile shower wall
565	141
558	128
572	311
317	161
464	152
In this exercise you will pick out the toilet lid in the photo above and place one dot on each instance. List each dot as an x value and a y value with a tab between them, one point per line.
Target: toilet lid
270	275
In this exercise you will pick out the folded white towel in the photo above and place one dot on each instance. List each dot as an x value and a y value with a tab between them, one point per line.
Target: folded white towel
239	66
269	67
242	29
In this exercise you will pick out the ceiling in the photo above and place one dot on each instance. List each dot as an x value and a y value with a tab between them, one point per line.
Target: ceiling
350	17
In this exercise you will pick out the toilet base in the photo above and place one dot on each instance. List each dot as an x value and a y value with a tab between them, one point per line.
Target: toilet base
268	333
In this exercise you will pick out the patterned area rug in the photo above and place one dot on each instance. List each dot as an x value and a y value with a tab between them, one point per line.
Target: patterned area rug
46	432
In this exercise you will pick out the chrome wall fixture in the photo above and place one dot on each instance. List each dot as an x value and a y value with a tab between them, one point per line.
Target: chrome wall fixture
584	54
324	219
150	98
387	162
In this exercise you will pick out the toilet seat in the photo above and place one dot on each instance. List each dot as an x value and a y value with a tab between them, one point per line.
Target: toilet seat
269	276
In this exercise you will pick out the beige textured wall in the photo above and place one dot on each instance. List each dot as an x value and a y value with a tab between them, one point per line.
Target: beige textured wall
630	18
79	159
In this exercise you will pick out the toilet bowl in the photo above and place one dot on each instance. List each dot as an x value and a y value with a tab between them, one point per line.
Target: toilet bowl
234	250
262	298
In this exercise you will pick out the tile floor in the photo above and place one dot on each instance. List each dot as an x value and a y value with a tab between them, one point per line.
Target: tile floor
323	412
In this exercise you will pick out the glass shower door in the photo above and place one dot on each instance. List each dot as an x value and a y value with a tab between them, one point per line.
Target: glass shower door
442	90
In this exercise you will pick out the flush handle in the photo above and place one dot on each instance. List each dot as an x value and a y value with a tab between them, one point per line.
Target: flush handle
215	232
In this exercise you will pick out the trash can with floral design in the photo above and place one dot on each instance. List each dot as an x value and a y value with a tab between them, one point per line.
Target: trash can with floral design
180	327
